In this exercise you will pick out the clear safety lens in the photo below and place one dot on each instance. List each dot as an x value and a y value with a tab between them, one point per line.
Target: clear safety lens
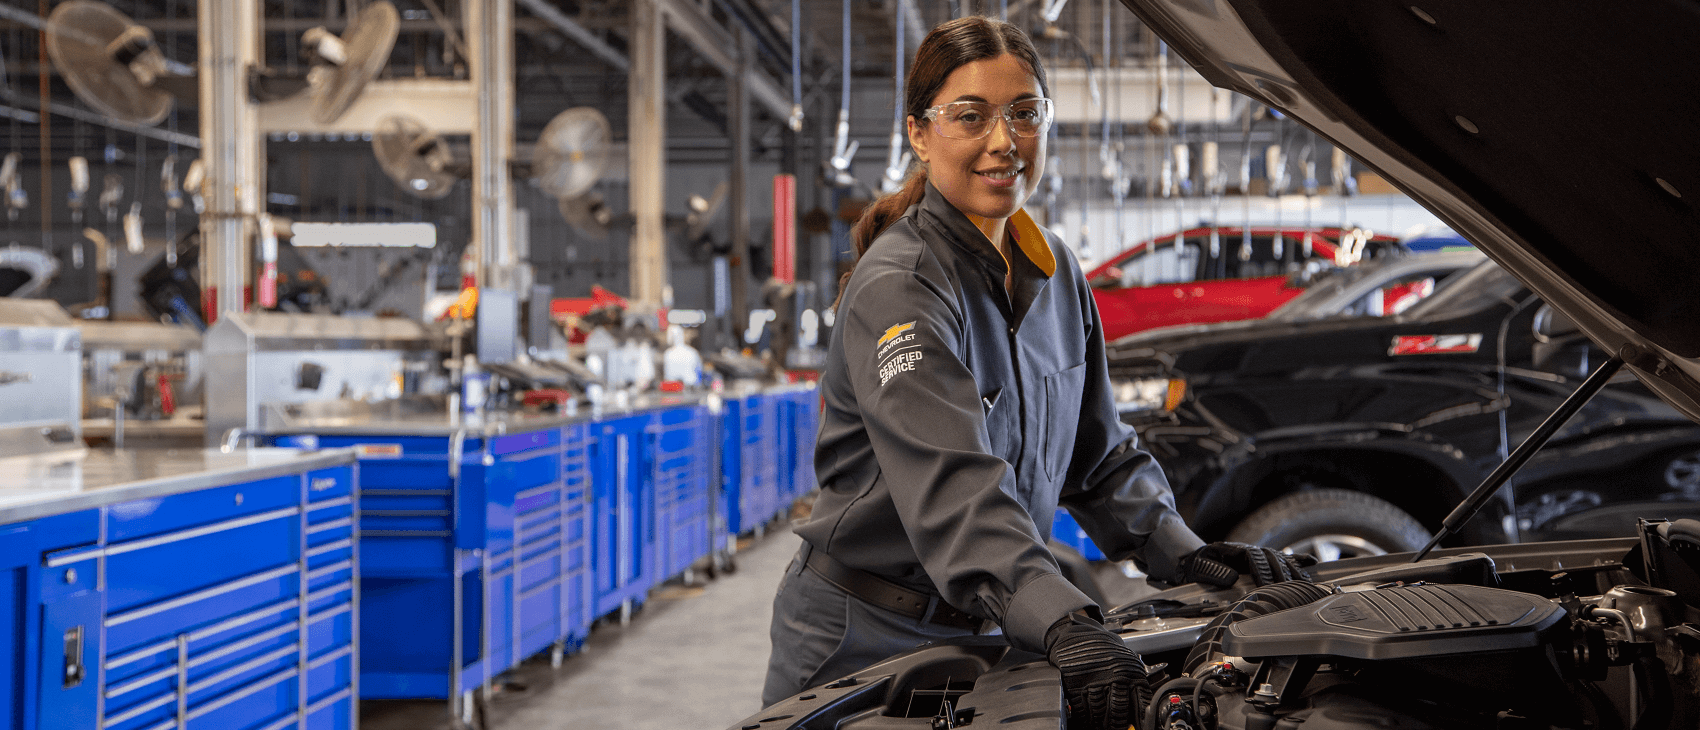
974	119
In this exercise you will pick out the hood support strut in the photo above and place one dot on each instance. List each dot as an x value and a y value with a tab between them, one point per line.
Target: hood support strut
1503	473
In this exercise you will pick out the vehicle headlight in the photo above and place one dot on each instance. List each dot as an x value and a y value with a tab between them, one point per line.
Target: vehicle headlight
1148	394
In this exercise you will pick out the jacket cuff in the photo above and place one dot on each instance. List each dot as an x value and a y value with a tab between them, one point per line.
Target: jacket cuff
1163	551
1037	605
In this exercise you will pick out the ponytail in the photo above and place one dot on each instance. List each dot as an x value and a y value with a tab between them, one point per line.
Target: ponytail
885	211
878	216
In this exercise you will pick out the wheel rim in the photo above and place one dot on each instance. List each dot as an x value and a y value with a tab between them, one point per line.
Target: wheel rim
1684	473
1326	548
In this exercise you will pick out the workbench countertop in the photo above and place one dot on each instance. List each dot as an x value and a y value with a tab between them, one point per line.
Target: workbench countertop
67	481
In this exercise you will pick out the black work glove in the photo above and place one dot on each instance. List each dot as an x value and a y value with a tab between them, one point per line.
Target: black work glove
1102	678
1221	563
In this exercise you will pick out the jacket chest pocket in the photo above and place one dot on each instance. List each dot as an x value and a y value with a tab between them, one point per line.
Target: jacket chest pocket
1000	407
1059	416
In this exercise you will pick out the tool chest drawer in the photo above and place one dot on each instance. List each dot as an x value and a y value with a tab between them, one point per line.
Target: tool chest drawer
229	606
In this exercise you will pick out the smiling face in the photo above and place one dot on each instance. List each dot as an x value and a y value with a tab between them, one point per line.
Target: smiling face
991	177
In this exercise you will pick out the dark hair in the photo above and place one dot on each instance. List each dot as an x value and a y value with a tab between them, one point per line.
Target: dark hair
949	46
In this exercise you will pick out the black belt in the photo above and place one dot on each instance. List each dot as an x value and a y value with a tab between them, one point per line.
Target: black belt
890	596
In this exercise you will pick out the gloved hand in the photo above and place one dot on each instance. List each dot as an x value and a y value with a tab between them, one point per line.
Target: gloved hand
1102	678
1221	563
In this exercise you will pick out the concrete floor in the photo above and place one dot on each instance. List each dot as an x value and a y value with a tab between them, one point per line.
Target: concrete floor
693	657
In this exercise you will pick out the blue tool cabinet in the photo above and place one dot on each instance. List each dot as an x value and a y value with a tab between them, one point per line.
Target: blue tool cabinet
486	543
623	511
476	551
729	442
1066	531
767	443
800	424
682	479
182	591
754	434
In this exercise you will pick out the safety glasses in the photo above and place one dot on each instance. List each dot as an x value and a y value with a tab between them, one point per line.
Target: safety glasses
974	119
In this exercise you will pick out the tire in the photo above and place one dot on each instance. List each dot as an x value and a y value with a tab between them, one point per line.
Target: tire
1332	524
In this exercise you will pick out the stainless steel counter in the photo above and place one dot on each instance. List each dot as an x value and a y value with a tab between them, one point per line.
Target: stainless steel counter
51	484
389	422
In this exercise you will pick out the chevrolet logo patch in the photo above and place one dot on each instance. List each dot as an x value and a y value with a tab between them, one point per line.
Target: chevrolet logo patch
894	331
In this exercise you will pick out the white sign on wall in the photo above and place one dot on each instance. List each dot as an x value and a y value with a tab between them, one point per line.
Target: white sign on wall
387	235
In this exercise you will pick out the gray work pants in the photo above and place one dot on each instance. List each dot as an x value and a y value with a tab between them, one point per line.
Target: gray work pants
820	633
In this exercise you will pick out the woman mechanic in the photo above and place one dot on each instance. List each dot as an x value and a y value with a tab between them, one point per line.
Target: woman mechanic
966	395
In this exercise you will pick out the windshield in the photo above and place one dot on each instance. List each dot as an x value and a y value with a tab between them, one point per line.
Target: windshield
1320	290
1476	288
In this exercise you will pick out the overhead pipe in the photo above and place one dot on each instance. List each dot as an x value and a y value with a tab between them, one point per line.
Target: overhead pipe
765	35
578	33
710	40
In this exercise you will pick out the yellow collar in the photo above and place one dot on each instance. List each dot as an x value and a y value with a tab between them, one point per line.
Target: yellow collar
1032	242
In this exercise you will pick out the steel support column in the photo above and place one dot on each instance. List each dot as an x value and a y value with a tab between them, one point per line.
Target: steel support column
647	135
489	37
738	130
231	145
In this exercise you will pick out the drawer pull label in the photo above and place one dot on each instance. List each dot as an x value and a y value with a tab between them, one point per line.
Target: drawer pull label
378	451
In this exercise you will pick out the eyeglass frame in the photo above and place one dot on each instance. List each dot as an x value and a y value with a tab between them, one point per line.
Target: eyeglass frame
930	115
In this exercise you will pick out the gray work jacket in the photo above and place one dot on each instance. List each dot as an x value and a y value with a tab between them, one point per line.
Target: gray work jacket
958	416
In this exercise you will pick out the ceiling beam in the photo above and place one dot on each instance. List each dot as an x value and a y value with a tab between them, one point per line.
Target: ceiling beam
716	45
578	33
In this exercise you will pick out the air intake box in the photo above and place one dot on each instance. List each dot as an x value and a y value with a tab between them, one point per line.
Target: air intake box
1398	623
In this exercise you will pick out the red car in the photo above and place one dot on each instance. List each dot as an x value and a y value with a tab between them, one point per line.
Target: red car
1157	283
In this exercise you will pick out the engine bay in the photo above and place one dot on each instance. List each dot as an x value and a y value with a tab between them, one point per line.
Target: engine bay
1589	634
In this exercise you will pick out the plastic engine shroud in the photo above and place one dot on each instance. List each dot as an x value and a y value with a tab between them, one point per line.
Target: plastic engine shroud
1401	622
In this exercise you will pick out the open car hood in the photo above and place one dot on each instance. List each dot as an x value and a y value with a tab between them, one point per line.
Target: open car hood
1560	139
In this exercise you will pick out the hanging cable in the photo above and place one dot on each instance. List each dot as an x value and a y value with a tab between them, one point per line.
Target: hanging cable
1245	190
18	62
897	160
1111	163
46	136
796	121
1083	20
844	148
173	192
78	195
844	60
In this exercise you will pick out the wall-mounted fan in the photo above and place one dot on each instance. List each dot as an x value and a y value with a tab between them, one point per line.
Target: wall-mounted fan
344	65
24	271
572	153
416	158
114	65
703	211
588	214
110	62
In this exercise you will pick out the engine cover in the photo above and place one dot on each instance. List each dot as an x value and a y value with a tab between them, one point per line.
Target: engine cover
1402	622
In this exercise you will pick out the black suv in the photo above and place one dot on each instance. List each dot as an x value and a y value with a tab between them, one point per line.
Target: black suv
1355	436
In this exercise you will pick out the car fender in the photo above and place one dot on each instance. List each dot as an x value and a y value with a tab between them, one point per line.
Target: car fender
1243	466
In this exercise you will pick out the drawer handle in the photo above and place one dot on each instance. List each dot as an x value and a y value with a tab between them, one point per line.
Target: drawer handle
74	672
